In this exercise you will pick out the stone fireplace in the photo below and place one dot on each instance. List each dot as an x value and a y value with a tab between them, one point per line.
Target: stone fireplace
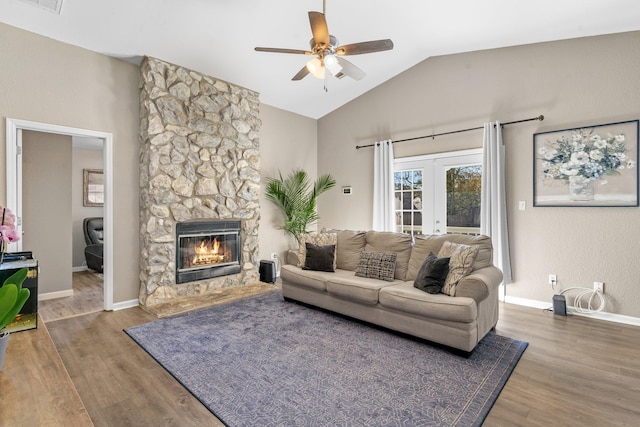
199	165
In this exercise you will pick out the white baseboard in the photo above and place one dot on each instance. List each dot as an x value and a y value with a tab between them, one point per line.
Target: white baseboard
125	304
79	269
55	295
601	315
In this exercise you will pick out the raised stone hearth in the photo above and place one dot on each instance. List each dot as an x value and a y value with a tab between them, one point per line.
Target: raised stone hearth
199	159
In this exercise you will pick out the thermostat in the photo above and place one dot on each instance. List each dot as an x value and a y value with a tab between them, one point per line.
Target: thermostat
346	191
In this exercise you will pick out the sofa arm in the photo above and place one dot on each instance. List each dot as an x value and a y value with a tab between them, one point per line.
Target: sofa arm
479	283
292	257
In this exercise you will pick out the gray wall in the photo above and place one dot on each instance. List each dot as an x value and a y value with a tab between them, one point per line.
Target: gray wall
83	158
46	206
287	141
91	91
573	83
47	81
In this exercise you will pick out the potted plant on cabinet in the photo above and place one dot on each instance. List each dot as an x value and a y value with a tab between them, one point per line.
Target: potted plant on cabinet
296	198
12	298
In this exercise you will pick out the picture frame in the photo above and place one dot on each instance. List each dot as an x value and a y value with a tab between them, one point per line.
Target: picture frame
590	166
93	187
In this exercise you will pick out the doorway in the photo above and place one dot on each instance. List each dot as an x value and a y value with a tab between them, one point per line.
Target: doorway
14	130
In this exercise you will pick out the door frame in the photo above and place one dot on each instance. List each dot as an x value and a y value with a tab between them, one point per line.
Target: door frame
14	128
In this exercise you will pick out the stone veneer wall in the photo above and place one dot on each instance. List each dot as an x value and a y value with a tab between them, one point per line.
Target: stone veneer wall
199	159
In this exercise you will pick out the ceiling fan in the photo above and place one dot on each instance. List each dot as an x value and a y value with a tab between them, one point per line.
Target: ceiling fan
327	54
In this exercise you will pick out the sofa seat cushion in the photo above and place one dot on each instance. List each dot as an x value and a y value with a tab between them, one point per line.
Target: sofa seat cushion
405	298
357	289
316	280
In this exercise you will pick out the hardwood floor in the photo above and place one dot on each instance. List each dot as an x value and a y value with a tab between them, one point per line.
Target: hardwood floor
576	372
88	297
119	383
35	388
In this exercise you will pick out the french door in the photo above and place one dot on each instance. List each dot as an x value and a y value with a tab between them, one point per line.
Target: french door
438	193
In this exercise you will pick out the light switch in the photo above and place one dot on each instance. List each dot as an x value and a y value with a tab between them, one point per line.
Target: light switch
521	205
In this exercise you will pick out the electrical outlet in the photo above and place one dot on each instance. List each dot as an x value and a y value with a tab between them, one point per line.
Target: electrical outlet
274	255
553	279
598	287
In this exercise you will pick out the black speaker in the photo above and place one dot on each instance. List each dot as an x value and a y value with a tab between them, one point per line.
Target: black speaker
559	305
267	271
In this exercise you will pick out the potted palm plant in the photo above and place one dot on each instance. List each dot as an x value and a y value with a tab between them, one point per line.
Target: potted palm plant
296	197
12	298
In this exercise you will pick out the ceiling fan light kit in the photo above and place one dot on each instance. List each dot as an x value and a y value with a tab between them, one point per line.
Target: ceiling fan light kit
315	67
328	55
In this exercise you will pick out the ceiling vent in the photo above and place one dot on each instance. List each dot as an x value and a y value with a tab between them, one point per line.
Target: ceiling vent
54	6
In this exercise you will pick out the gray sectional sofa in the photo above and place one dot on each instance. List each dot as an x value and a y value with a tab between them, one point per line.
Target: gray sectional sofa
458	321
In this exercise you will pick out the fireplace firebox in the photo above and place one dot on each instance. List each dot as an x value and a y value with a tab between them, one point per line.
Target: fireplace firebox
207	249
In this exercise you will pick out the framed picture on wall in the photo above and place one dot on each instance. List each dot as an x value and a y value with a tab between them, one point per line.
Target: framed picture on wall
93	187
589	166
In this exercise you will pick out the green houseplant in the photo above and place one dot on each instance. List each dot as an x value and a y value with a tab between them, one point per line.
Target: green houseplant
12	298
296	197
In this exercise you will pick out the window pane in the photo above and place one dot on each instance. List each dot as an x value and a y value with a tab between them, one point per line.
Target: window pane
417	218
463	196
417	179
406	200
417	200
406	180
397	181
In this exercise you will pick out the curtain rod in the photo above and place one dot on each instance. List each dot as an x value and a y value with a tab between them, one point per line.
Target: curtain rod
540	117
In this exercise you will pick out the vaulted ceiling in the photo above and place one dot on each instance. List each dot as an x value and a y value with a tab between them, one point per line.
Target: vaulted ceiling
217	37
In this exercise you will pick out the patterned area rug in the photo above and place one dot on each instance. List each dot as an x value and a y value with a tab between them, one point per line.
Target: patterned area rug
265	362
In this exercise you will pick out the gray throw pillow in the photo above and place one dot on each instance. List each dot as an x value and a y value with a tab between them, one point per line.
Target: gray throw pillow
377	265
319	257
432	274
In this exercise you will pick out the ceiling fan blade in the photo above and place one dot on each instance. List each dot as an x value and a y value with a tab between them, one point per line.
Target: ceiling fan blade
278	50
348	69
301	74
365	47
319	28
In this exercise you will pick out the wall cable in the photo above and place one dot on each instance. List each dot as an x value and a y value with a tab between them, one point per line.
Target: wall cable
583	300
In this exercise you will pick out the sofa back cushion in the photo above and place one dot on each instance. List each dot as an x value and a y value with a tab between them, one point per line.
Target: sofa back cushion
432	243
348	247
388	242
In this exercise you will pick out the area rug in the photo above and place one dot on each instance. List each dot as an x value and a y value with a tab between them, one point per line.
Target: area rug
266	362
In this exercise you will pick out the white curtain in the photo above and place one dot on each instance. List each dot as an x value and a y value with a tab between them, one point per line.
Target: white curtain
383	206
493	211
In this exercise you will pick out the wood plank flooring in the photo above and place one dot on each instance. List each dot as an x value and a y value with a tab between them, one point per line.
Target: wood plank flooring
35	389
88	297
576	372
120	384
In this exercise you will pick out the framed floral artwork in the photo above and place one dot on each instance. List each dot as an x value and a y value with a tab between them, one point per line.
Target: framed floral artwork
589	166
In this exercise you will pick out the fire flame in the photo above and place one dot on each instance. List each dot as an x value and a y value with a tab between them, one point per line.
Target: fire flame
207	254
